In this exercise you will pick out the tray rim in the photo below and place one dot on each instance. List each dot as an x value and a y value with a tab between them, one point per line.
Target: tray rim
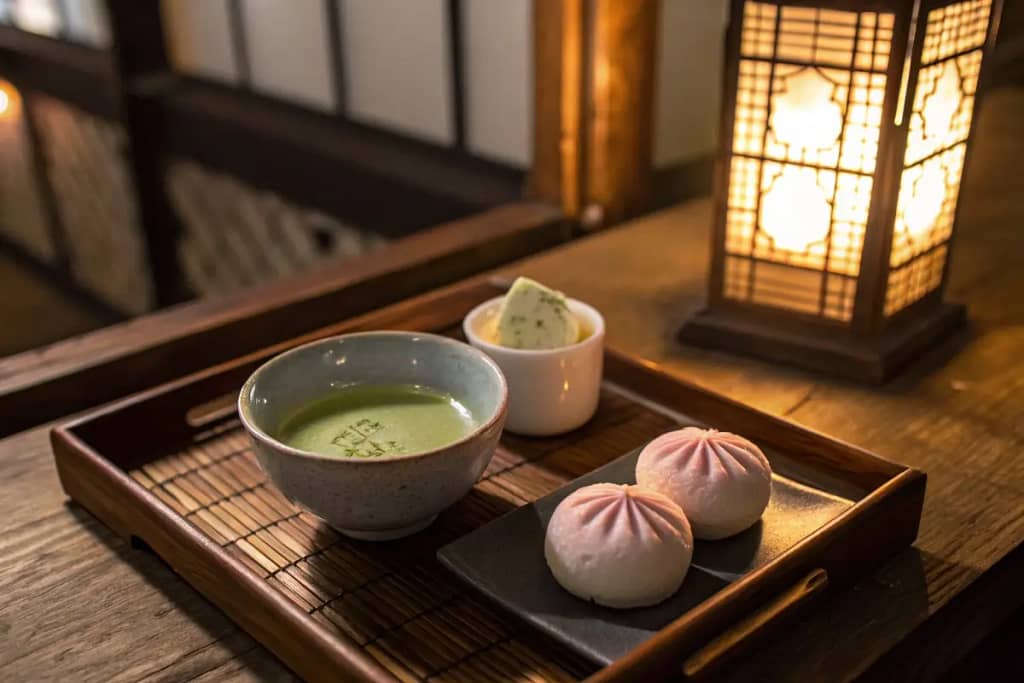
172	535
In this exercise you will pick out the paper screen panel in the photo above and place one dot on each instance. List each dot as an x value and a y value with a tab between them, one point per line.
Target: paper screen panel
398	66
289	53
498	66
199	38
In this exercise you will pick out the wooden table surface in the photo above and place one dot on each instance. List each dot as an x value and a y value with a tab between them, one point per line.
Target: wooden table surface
78	604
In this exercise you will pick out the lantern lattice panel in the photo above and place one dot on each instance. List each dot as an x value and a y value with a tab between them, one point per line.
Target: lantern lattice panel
845	137
810	91
938	126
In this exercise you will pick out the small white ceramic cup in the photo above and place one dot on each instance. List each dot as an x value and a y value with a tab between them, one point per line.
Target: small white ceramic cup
550	391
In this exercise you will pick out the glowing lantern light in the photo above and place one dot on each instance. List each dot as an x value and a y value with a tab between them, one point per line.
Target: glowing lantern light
795	212
10	101
845	132
805	113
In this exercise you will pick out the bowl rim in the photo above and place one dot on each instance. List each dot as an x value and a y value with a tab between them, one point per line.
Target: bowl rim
479	342
260	435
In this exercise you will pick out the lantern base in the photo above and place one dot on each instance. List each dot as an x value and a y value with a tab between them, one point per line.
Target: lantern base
872	361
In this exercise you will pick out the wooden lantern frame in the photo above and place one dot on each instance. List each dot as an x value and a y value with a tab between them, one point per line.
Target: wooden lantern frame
866	339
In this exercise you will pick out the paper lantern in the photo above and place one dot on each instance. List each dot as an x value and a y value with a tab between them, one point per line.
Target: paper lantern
846	126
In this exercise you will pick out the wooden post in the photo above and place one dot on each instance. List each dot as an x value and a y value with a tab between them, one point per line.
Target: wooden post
558	58
619	171
140	54
594	64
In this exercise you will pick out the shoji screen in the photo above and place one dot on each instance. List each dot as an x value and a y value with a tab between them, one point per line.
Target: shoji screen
199	38
86	22
288	53
398	66
462	80
499	79
78	21
688	86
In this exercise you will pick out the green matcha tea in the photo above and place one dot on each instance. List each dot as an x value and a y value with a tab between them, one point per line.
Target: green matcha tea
375	420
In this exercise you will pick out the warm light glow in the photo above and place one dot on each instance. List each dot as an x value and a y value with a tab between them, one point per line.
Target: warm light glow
10	101
814	132
938	126
810	94
795	212
569	107
942	104
925	204
804	114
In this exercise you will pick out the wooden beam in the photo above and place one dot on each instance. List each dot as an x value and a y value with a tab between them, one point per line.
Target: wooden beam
594	64
139	52
558	58
619	170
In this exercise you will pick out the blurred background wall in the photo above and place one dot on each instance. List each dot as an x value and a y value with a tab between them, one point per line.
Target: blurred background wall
444	76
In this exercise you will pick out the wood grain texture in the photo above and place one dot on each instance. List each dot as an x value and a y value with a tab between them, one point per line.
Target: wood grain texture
69	376
594	66
54	556
558	64
619	165
956	414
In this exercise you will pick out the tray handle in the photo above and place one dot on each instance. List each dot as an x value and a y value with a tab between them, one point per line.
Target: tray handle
730	643
214	410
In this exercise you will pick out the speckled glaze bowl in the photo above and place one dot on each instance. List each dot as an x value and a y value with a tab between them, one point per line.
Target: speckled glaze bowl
390	496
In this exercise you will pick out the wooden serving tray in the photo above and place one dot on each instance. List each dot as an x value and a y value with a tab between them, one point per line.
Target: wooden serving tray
173	468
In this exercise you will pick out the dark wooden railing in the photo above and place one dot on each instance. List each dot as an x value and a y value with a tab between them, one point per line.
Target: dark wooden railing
69	376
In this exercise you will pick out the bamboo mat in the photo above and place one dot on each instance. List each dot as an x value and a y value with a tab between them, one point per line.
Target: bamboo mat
394	599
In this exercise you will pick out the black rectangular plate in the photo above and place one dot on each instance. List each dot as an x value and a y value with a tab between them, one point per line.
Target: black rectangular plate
504	560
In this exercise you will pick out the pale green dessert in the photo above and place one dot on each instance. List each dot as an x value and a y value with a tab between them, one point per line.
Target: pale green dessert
378	420
533	316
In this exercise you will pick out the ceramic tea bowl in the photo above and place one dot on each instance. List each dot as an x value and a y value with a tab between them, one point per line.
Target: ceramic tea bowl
384	497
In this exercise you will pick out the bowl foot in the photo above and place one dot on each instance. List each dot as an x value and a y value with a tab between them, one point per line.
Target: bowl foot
388	534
